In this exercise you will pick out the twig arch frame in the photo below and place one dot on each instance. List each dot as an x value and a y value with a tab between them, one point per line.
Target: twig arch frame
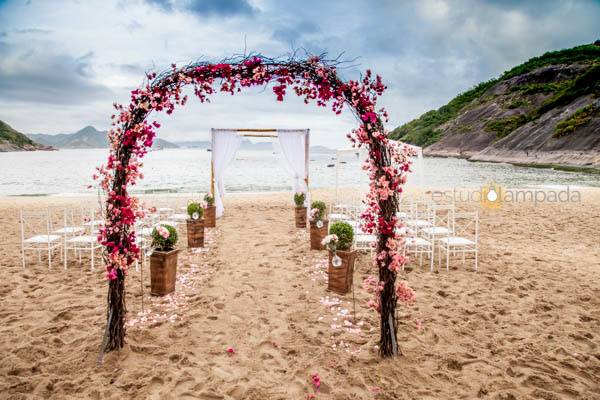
314	79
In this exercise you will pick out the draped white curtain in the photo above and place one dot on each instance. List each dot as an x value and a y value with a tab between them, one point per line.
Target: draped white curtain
225	143
291	146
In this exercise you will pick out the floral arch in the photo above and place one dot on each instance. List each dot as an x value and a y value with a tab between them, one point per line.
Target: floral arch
314	79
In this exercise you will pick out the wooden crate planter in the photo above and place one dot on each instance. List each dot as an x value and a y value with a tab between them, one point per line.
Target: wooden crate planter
195	233
163	272
341	278
300	217
317	234
210	217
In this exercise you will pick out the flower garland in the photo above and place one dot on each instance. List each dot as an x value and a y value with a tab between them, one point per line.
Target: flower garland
314	79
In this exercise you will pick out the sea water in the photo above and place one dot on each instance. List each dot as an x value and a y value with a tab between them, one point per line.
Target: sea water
188	170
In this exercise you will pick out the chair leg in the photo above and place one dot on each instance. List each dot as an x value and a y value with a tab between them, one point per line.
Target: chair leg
49	257
65	254
92	255
476	257
23	254
431	258
448	260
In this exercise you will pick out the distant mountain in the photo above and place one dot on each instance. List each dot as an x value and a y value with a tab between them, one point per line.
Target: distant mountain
321	150
247	145
86	138
194	144
158	142
13	140
545	111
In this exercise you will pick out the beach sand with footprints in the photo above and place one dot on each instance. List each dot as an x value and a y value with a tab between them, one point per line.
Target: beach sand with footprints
525	326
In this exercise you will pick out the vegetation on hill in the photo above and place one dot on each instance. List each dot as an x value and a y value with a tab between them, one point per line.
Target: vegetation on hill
424	131
12	136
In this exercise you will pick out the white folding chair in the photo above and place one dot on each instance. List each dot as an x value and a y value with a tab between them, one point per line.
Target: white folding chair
419	215
464	240
71	227
88	241
444	221
419	242
363	241
36	234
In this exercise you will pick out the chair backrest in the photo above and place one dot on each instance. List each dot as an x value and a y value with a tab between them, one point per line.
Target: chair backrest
467	225
429	215
444	215
35	222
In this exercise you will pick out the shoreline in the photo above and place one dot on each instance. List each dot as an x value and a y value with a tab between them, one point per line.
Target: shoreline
525	163
327	190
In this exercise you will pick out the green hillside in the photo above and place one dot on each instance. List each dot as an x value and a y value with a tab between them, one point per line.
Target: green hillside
425	131
8	135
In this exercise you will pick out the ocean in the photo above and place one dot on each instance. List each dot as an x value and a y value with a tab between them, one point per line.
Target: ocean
68	172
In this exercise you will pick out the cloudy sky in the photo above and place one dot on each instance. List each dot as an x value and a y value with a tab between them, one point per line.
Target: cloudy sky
63	63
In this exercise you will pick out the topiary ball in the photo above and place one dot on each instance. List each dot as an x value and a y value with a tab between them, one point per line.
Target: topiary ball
195	208
210	201
164	237
345	234
321	206
299	199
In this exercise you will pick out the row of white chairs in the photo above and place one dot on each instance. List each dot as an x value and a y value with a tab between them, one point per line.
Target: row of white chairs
75	230
428	227
55	228
431	227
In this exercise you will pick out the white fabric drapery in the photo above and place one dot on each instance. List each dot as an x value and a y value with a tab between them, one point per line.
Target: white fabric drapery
225	143
291	146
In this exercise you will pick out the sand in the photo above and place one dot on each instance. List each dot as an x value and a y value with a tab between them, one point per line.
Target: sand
525	326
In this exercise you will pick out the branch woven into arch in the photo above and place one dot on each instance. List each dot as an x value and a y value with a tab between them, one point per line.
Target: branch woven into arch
314	79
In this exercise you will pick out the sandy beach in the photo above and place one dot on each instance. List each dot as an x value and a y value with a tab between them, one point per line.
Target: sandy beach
525	326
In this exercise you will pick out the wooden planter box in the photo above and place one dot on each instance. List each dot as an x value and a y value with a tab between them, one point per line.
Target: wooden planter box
210	217
300	217
317	234
163	272
341	278
195	233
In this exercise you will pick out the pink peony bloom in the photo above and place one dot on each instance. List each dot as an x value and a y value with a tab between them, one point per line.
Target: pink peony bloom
162	231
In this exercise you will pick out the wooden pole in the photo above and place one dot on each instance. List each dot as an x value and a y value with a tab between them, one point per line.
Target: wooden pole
212	164
306	164
257	130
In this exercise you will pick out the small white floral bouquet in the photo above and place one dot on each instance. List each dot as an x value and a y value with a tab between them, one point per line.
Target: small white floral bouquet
314	212
330	241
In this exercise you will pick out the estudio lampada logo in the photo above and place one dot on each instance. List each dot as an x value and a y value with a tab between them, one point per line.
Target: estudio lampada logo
491	195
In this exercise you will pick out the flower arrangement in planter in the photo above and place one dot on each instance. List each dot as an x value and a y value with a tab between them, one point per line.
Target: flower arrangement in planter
299	199
163	260
341	257
318	224
210	216
195	225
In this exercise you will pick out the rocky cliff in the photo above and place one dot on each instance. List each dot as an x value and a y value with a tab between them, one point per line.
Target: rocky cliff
544	112
12	140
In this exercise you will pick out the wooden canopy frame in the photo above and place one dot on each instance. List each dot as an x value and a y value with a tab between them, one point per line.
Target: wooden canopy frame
258	133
